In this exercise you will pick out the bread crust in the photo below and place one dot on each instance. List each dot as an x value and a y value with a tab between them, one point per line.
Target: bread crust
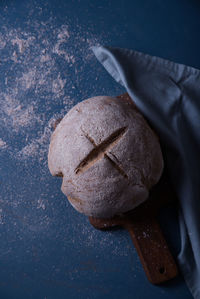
108	155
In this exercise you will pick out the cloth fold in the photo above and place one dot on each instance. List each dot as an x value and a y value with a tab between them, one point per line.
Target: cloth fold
168	94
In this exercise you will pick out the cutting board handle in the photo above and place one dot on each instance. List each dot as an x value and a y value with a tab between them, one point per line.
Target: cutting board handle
152	248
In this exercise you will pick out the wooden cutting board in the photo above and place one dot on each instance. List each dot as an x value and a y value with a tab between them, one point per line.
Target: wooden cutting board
144	229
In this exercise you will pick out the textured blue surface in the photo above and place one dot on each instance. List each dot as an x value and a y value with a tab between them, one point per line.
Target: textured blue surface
47	249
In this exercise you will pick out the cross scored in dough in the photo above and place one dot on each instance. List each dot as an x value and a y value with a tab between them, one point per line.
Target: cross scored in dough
101	150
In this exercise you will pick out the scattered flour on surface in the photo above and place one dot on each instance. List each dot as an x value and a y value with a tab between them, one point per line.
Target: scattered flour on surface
16	114
42	61
59	48
22	43
3	144
41	204
58	86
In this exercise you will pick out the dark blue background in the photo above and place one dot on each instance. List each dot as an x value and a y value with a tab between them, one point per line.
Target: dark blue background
47	249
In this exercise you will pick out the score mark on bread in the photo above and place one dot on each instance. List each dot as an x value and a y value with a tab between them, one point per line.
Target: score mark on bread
99	151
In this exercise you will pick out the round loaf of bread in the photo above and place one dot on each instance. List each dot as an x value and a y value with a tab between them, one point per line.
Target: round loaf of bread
108	156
